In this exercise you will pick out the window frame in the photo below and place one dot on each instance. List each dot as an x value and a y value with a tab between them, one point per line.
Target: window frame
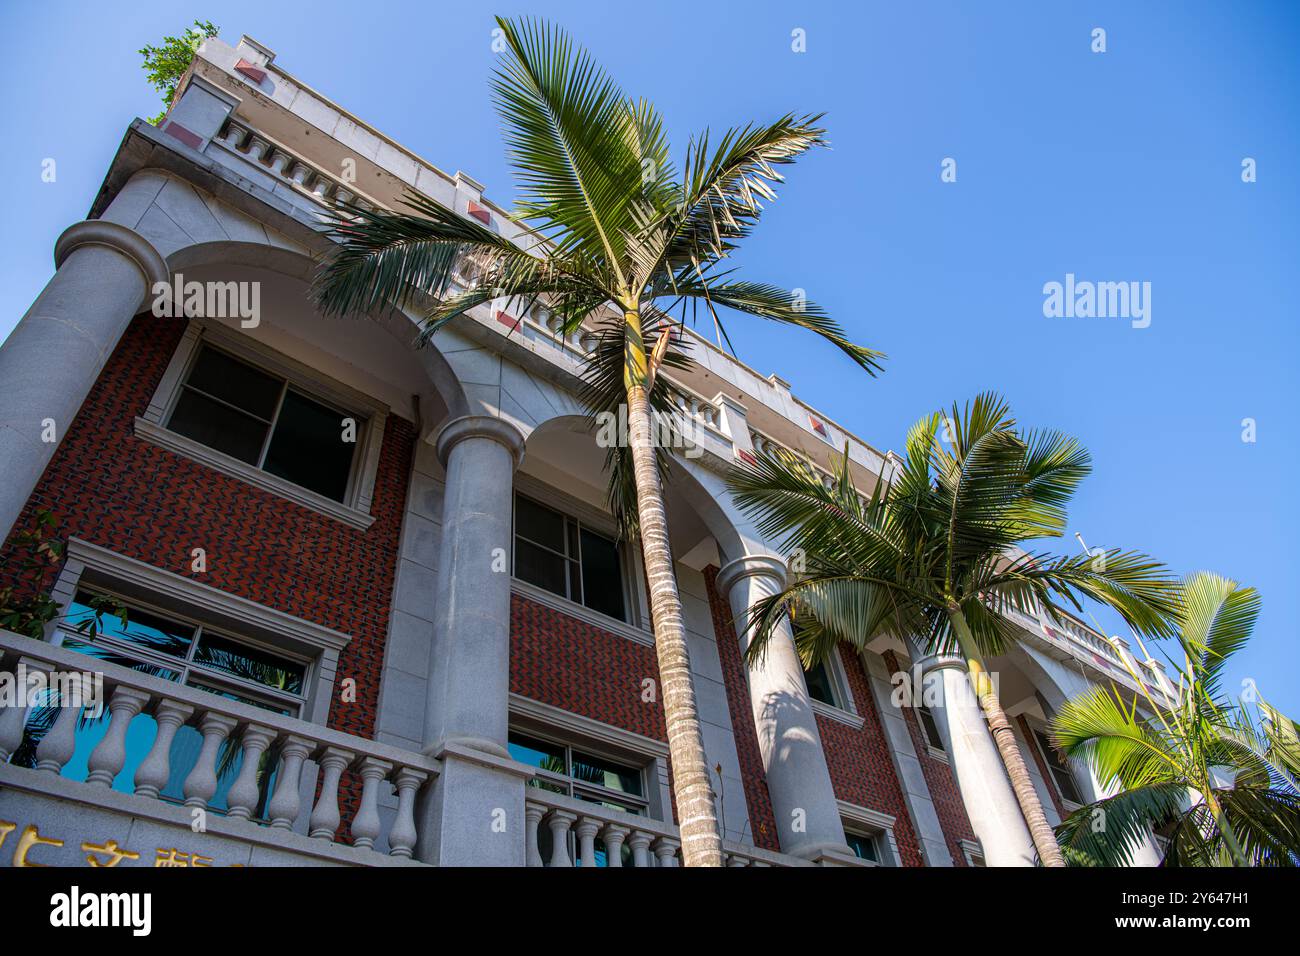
187	667
369	414
1054	768
877	826
573	784
935	750
601	525
92	567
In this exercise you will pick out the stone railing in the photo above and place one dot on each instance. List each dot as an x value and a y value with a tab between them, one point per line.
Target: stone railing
126	693
574	826
288	168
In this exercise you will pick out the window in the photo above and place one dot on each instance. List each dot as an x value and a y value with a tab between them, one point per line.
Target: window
173	648
1060	770
820	686
864	846
929	727
584	776
264	421
563	556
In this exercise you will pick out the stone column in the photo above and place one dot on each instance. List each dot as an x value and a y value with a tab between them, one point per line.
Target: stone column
55	353
985	789
474	812
803	798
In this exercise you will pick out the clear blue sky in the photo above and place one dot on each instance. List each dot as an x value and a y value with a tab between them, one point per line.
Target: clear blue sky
1117	166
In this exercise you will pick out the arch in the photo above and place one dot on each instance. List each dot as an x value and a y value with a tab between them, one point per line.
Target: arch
294	265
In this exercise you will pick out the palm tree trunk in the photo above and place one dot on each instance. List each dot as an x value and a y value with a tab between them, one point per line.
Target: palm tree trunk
696	812
1235	852
1049	851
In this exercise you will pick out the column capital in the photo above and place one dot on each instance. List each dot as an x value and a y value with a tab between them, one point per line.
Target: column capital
479	426
751	565
128	242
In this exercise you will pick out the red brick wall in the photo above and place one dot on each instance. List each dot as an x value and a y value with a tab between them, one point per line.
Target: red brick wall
108	487
862	769
762	821
939	779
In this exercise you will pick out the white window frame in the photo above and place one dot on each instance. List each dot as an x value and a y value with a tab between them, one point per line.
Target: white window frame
371	415
972	850
536	719
937	752
846	710
872	823
635	628
94	568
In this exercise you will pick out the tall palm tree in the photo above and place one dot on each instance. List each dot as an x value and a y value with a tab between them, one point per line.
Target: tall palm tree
936	552
1221	784
615	231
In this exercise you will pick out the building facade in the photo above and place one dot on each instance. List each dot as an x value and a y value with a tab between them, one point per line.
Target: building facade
376	609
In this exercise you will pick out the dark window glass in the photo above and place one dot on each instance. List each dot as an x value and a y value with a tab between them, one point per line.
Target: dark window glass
602	576
218	426
307	447
932	735
249	663
863	847
819	685
149	631
540	567
236	383
252	701
605	773
1060	768
539	525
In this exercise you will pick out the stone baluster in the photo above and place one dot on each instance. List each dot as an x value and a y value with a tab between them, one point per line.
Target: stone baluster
639	841
14	718
401	838
60	741
285	803
241	801
300	173
234	135
365	826
108	756
324	822
559	821
257	148
614	835
151	776
320	187
665	850
201	783
533	813
587	829
735	860
280	163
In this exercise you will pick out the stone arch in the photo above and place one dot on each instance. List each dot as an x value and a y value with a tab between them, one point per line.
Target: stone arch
294	265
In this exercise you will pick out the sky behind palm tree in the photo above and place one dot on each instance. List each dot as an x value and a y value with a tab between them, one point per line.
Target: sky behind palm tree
1122	166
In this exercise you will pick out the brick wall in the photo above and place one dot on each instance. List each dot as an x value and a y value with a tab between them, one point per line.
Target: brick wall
108	487
942	784
861	767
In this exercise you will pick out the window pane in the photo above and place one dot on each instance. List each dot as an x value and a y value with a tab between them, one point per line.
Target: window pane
1060	769
602	576
121	660
249	663
863	847
539	566
819	685
236	382
537	753
308	449
150	631
932	735
277	707
217	426
539	525
606	773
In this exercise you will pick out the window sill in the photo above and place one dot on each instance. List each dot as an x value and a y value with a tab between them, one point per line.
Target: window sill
837	713
938	753
581	612
173	442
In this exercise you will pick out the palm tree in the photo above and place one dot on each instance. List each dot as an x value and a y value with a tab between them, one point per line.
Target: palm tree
1222	785
615	231
936	551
